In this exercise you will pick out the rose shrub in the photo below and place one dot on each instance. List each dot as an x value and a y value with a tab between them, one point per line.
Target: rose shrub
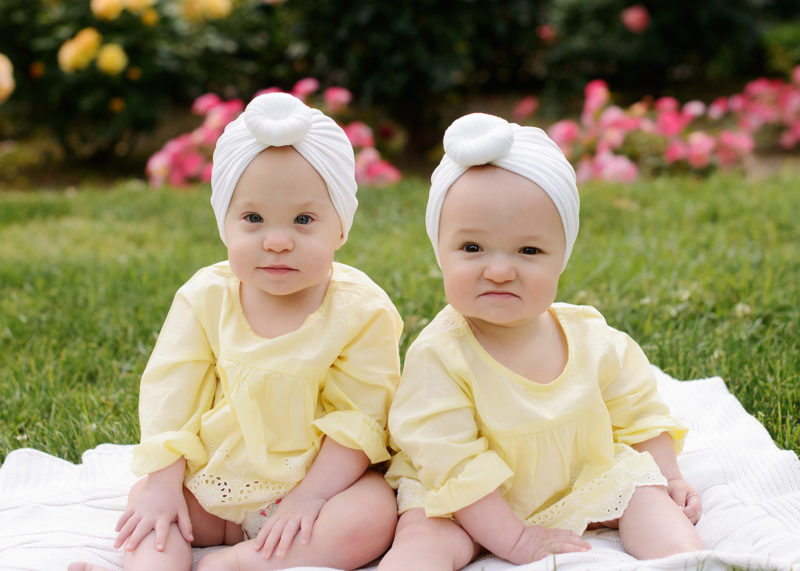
99	73
612	143
187	158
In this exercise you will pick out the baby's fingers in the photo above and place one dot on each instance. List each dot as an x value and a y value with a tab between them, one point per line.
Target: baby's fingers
123	518
125	529
185	526
269	540
305	529
568	544
694	507
288	535
142	530
161	531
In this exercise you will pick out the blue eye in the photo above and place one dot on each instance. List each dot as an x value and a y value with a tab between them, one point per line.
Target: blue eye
253	218
303	219
529	250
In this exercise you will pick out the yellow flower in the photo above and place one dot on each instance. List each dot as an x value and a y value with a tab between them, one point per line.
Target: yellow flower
79	51
216	9
7	84
111	59
106	9
138	6
198	10
150	17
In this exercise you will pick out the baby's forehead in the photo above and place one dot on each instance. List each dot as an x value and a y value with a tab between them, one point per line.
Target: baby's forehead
491	182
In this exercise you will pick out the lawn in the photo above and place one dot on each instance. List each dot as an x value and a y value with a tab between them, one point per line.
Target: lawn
702	272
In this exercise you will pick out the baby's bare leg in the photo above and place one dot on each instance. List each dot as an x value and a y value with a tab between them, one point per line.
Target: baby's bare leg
177	554
353	528
654	526
423	543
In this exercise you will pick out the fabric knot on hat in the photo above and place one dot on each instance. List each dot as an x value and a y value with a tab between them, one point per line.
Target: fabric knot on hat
277	120
482	139
477	139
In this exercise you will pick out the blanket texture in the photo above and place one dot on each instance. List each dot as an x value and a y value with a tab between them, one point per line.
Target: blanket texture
53	512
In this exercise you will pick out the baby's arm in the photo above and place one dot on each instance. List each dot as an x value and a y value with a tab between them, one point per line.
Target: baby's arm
159	503
335	469
491	522
663	452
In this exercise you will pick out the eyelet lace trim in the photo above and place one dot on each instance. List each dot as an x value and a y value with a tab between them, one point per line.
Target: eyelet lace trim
605	496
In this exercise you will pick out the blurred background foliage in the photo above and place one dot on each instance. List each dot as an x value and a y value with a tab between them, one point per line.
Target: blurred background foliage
419	62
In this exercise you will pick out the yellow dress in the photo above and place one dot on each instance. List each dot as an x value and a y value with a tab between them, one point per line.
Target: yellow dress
560	453
249	413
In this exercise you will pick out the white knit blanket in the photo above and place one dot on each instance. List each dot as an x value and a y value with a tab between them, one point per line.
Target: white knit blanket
53	512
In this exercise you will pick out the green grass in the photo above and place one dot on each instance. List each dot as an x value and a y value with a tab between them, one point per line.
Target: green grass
703	273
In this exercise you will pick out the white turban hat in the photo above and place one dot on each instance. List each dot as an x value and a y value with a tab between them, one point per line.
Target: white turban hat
276	120
481	139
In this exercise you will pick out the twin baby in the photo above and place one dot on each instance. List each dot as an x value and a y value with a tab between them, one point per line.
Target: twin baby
267	404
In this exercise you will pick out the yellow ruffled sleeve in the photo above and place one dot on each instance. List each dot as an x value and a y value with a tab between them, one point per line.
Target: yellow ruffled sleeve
637	411
177	387
361	382
432	420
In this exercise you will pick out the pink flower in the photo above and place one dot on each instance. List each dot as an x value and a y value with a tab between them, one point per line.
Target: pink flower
205	136
635	18
789	105
525	107
718	108
157	168
564	133
676	151
796	75
736	103
365	158
614	168
546	33
596	96
671	123
192	164
694	109
382	173
360	134
205	103
371	169
305	87
732	146
337	98
700	148
666	104
223	113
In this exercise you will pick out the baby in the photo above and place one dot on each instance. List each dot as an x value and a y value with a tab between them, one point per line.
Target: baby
523	422
264	402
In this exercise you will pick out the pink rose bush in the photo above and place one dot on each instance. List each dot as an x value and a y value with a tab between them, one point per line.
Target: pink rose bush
612	143
187	158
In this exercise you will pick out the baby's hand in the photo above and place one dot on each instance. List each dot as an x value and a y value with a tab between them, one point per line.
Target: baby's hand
295	514
155	507
687	498
537	542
